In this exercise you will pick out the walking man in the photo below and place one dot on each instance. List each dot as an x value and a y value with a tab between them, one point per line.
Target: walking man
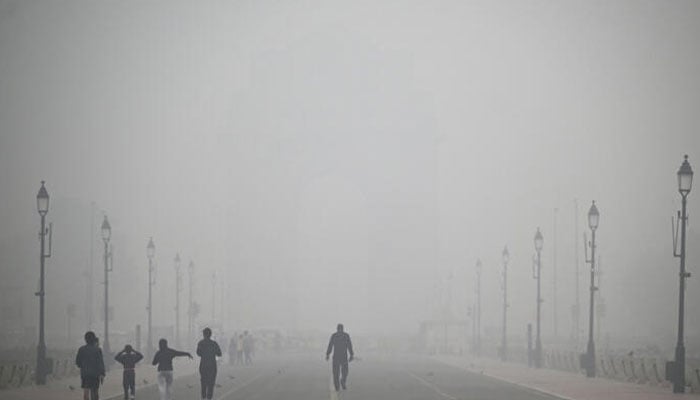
340	345
92	367
208	350
128	358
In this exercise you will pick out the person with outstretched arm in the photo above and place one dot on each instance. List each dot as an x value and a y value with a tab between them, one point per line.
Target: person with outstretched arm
208	350
92	367
128	358
340	345
164	360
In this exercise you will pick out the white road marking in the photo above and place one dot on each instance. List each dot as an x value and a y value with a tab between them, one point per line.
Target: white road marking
432	386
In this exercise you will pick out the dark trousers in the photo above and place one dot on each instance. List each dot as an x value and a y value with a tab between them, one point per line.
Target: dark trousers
207	379
340	373
129	382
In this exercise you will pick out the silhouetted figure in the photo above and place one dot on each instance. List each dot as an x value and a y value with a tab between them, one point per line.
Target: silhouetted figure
208	350
128	358
92	367
248	347
239	349
164	360
232	350
340	345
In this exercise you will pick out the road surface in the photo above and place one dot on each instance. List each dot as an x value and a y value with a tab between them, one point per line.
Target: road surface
302	377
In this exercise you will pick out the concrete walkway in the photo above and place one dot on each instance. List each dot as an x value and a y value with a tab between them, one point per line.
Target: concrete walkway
563	384
69	388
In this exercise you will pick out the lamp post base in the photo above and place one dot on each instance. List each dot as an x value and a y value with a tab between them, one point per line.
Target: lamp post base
41	365
590	360
679	370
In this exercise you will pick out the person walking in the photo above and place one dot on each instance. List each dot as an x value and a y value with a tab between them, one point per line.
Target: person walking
248	347
232	350
128	357
239	350
207	350
92	367
164	360
340	345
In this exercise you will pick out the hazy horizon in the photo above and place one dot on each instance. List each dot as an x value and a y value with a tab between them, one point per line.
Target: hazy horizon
338	161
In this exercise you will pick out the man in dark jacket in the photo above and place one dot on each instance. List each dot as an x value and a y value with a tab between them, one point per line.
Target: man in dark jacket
340	345
92	367
208	350
128	358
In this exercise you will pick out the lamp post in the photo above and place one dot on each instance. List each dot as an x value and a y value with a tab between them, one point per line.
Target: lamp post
685	183
150	252
504	343
42	205
106	236
178	288
539	241
213	296
190	309
477	313
589	364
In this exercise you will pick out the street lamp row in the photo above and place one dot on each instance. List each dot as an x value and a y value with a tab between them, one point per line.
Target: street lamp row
44	364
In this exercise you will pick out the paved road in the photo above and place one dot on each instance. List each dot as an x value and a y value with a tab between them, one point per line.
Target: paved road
302	377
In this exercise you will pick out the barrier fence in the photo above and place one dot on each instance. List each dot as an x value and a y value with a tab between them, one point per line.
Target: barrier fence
622	367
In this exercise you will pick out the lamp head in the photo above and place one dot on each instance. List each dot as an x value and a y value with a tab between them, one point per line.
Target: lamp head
539	240
42	200
106	230
685	177
593	217
151	248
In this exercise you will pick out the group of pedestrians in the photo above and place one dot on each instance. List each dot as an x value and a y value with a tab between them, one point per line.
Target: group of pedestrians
92	368
241	349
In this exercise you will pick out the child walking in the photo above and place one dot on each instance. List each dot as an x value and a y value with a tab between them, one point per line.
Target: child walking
128	358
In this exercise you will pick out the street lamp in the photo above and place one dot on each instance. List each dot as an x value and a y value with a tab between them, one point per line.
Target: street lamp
190	307
42	363
213	296
150	252
539	242
477	320
677	370
504	345
589	359
178	284
106	236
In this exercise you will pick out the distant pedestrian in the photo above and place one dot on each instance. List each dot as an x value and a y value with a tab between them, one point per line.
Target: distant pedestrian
164	360
239	349
128	358
340	345
92	367
248	347
232	350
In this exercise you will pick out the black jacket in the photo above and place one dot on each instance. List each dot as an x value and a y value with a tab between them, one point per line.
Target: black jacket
340	345
128	360
89	360
164	358
208	350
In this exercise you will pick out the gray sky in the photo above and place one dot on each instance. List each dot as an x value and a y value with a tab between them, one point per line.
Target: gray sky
338	159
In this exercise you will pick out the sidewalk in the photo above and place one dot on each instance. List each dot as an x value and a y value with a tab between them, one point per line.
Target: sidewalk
69	388
563	384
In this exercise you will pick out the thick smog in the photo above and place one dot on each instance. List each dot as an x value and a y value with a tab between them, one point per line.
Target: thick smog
311	199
